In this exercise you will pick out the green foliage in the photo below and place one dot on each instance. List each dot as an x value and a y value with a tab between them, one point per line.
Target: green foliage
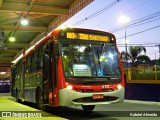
145	76
158	62
143	59
134	53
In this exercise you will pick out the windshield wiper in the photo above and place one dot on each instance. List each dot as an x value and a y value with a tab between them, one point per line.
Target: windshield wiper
103	47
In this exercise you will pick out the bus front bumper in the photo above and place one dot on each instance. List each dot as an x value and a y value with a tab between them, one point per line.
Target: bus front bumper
70	97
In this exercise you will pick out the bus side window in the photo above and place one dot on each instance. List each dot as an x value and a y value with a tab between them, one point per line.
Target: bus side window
16	72
28	64
32	65
34	62
13	73
40	58
46	61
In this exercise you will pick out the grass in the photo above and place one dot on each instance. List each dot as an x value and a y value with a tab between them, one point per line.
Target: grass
145	76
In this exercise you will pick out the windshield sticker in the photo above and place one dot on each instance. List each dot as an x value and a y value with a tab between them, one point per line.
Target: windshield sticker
81	70
100	72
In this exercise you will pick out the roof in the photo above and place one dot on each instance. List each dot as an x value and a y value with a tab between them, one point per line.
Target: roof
43	16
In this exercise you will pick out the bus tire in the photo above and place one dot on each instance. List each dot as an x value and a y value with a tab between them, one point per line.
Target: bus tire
88	108
17	96
39	99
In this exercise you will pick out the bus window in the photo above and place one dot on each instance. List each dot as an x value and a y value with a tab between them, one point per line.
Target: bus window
40	58
106	58
78	55
28	62
90	60
46	63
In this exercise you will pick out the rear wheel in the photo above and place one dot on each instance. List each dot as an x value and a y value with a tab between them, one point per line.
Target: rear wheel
17	96
39	99
88	108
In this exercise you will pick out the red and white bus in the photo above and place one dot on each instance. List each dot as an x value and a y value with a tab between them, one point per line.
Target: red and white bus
68	67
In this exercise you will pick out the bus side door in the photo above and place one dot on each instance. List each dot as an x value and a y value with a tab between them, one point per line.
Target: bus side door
47	72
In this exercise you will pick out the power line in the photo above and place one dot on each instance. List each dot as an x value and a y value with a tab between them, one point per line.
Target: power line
139	5
147	45
102	23
97	13
159	49
132	46
140	32
138	22
140	44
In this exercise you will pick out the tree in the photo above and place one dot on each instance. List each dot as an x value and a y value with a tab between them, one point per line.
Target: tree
143	59
134	52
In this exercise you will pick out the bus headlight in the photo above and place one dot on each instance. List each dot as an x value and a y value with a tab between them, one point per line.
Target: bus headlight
69	87
119	86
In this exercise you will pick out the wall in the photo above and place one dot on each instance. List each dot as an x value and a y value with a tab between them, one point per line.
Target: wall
145	90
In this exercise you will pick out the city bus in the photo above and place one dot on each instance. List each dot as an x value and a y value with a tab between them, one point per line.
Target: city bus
70	67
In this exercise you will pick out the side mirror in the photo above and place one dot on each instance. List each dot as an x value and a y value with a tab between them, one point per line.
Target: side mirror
57	48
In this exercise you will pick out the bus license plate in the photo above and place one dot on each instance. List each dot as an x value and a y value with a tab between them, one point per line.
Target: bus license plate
97	96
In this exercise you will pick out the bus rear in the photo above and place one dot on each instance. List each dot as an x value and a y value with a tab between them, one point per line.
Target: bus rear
89	68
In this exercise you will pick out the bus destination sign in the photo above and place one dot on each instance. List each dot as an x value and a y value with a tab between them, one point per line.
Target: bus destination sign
86	36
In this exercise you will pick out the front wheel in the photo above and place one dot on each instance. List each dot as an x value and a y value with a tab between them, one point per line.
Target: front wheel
88	108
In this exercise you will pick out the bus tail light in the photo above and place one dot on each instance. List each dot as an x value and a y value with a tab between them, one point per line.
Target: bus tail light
50	97
50	94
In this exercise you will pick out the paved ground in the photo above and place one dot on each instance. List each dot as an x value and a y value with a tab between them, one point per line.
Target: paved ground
8	106
132	110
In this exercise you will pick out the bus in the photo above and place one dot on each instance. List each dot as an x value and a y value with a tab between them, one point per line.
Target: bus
70	67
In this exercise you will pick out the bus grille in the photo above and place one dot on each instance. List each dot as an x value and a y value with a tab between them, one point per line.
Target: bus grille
90	99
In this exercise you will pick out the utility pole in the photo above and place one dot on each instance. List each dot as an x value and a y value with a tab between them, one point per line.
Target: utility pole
126	57
159	50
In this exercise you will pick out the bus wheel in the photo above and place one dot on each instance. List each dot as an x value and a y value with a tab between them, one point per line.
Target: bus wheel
17	96
39	99
88	108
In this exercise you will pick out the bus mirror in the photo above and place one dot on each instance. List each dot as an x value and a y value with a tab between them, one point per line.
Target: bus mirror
57	48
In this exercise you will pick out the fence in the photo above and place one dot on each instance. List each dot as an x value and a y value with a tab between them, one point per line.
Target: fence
143	83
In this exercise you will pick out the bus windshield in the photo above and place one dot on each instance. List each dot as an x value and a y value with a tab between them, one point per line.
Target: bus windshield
94	60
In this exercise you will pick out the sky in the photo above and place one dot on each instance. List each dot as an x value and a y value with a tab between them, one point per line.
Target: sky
143	27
